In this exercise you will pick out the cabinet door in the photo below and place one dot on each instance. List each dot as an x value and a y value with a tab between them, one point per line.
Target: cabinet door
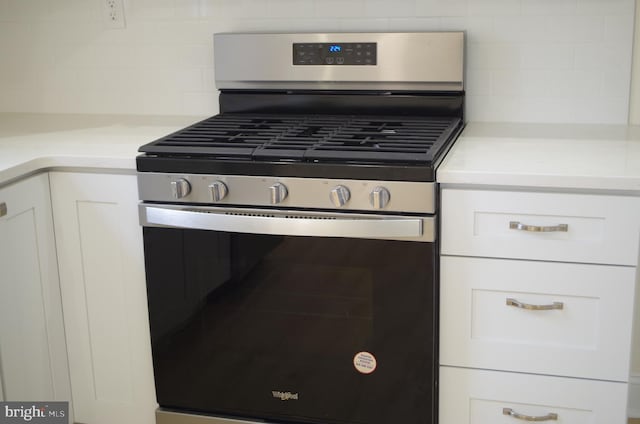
538	317
104	297
33	357
470	396
562	227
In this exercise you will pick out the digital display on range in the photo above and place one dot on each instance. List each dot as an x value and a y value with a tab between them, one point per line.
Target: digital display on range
335	54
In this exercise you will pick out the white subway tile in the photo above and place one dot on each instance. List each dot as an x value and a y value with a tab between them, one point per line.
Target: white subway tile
151	9
603	55
589	55
507	83
159	55
438	8
189	79
494	7
479	29
478	83
493	56
414	24
547	56
177	32
16	35
509	108
389	9
364	25
518	29
618	28
600	110
582	29
57	100
478	109
76	55
527	60
199	103
28	10
289	8
455	23
109	55
5	16
74	10
219	8
188	9
249	25
62	77
159	102
194	55
604	7
286	25
535	82
255	9
338	8
549	7
574	83
153	77
108	78
545	109
208	79
616	82
87	78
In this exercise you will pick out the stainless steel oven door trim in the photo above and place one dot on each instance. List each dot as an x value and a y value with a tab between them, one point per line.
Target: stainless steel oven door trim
292	223
169	417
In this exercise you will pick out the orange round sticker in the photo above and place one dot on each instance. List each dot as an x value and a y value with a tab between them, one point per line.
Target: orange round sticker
365	362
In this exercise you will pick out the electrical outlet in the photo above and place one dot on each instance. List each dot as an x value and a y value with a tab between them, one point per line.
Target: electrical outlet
113	14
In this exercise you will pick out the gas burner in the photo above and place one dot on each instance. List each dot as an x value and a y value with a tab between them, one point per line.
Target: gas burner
311	138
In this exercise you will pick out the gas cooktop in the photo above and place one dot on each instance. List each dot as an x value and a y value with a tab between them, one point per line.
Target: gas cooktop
311	138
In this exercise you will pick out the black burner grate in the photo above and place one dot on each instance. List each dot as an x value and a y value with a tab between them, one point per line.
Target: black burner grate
311	138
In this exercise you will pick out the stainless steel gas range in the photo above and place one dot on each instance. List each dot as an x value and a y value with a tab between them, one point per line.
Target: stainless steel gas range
291	241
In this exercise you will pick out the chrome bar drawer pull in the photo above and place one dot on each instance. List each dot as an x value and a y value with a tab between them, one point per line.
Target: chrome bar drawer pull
514	414
3	209
529	307
515	225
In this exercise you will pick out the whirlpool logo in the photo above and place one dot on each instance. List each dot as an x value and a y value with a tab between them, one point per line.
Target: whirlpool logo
284	395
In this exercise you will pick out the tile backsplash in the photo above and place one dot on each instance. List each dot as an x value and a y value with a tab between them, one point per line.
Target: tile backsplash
527	60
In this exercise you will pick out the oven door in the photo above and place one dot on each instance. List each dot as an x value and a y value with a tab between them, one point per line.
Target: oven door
314	318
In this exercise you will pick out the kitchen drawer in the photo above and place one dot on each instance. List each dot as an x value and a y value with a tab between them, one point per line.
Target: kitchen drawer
481	397
599	229
589	337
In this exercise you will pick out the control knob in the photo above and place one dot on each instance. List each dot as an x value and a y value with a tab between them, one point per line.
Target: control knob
218	191
278	192
180	188
379	197
339	195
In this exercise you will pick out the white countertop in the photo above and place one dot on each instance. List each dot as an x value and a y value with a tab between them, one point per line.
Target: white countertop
555	156
34	142
589	157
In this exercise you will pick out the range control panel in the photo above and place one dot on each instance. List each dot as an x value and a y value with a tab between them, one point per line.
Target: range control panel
335	54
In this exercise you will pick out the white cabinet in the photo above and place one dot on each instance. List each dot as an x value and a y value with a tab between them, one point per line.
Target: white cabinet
537	295
33	356
491	397
599	229
101	263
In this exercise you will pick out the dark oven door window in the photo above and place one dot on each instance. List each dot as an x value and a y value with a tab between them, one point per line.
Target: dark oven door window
292	328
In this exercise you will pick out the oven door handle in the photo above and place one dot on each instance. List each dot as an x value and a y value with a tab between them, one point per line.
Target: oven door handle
320	226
